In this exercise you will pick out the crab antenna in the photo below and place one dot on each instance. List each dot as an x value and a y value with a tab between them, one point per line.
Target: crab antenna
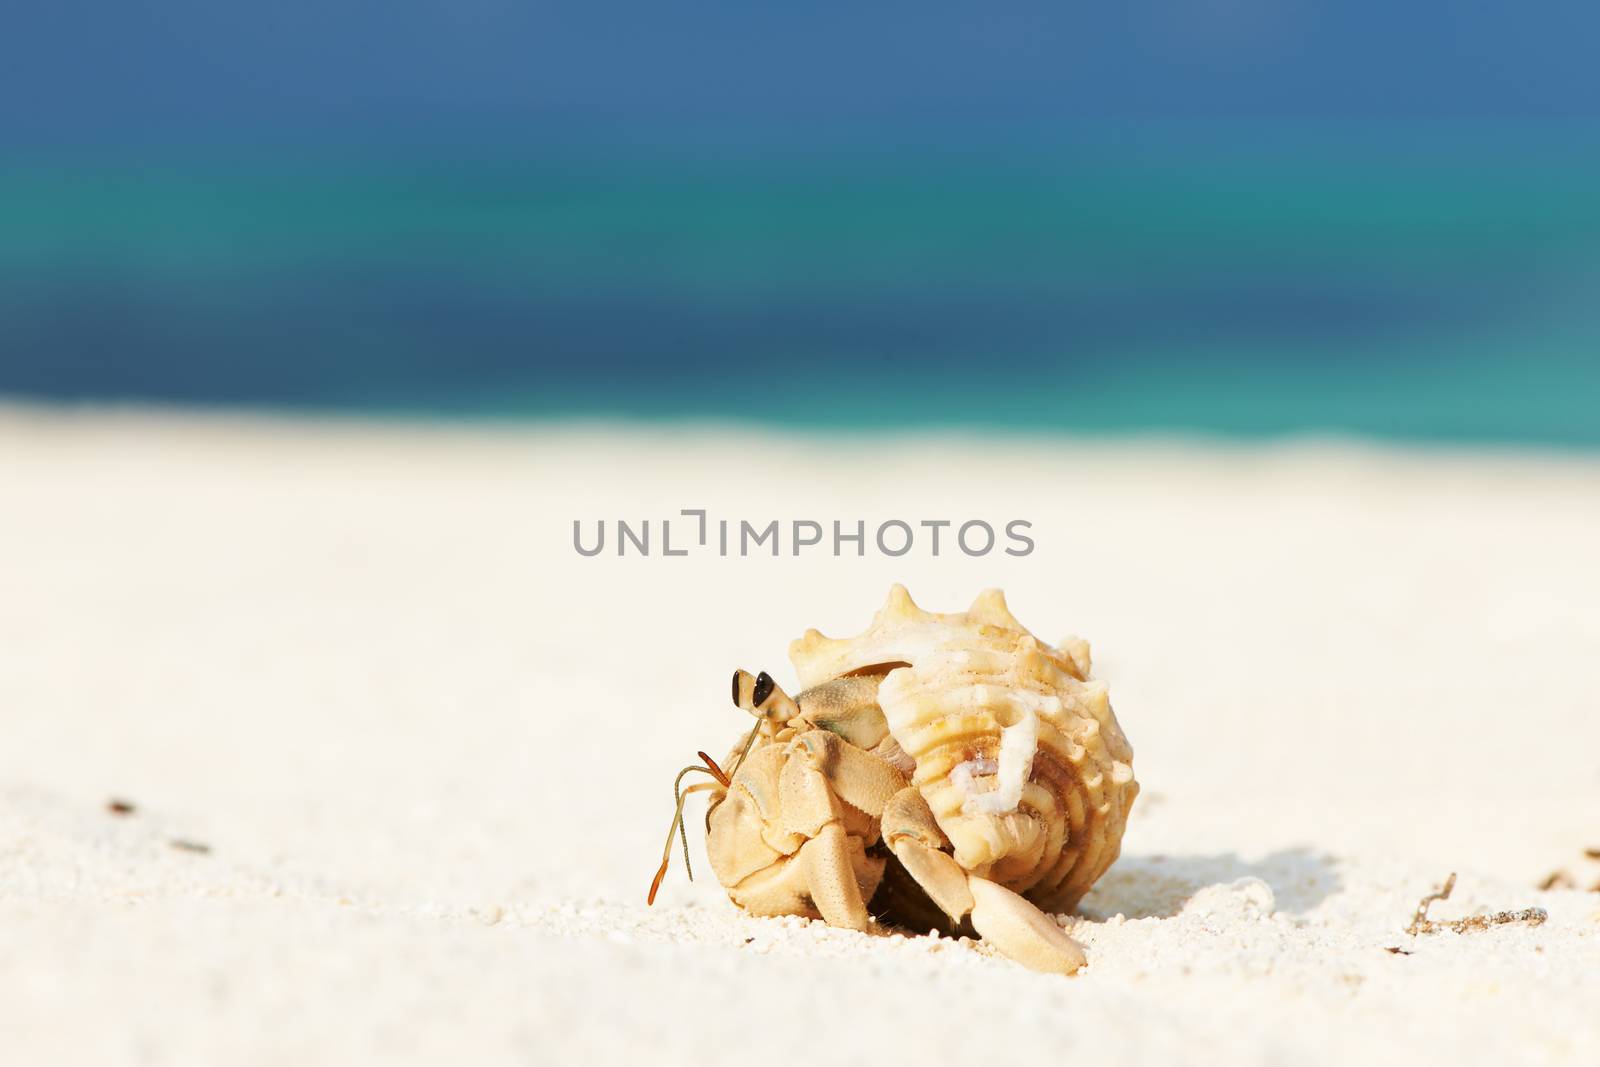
715	770
679	795
756	729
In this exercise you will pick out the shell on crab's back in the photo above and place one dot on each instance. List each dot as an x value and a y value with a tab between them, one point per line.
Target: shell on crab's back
1023	765
1017	751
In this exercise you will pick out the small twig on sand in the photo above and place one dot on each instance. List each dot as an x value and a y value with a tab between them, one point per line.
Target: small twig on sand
1561	879
1421	924
1419	918
1557	880
189	846
118	806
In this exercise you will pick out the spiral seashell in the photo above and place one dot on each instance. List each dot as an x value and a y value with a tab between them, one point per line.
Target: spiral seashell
1015	748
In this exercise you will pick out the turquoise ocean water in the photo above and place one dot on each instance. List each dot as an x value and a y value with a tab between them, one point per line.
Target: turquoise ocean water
1440	293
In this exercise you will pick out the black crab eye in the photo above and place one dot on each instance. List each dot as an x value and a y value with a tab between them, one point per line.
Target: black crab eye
736	687
764	687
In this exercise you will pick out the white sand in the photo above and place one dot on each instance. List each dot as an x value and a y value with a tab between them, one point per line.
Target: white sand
431	748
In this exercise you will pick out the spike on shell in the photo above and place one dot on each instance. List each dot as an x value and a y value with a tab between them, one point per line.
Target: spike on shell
899	605
1078	650
899	633
990	609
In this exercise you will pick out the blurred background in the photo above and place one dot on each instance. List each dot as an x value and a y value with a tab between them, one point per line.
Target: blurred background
398	754
1244	217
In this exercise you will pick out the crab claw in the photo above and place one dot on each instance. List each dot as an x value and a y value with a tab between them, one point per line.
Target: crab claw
1020	930
1014	925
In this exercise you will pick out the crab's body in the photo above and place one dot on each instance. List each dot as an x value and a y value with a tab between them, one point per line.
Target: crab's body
791	834
944	768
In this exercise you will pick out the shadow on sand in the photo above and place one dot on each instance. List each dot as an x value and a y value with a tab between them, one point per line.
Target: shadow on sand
1141	887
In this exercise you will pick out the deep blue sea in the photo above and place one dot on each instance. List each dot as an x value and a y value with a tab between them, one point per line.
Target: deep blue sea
1446	292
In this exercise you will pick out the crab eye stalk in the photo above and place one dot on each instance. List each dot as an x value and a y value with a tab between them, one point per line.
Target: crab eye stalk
762	697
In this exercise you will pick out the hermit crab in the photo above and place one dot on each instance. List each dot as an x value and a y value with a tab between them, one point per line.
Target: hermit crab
946	771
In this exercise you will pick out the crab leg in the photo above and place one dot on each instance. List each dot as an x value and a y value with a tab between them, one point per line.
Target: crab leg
916	840
858	778
1008	921
832	880
809	808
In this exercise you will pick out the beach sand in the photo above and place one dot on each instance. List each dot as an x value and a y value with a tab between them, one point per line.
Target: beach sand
400	759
